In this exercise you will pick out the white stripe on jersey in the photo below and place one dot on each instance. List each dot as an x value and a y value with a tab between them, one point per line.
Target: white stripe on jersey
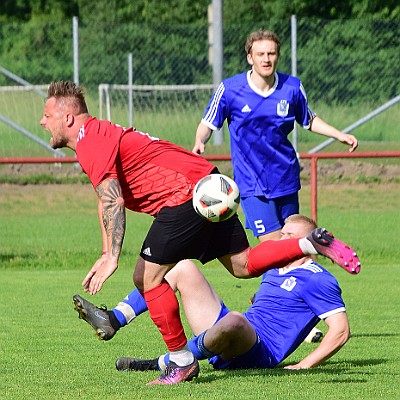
332	312
212	111
303	91
312	267
309	265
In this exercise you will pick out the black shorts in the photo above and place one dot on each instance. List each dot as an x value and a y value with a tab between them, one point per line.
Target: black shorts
179	232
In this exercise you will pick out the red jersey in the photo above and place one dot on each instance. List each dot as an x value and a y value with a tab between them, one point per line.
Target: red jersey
153	173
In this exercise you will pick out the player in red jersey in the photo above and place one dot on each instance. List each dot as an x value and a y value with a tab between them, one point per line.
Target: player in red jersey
130	169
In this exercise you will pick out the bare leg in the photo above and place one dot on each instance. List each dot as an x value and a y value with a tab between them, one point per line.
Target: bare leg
199	300
231	336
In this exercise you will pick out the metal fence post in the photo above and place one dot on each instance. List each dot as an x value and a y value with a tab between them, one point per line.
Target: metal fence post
75	39
217	55
130	91
293	47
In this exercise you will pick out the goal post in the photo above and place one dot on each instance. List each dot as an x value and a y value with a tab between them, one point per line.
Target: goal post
169	112
21	107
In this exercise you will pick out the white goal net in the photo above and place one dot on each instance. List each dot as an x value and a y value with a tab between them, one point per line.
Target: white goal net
21	108
170	112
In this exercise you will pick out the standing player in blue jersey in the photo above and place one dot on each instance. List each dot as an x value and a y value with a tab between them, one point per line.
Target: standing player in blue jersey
289	302
261	107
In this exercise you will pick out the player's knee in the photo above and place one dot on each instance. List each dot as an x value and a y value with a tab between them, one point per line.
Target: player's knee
235	322
236	263
138	281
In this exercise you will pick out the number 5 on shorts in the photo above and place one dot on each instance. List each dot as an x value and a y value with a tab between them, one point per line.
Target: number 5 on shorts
259	226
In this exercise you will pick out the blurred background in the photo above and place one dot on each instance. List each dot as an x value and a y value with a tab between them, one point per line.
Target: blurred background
153	64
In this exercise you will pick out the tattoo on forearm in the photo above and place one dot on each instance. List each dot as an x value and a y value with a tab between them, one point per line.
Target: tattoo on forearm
113	215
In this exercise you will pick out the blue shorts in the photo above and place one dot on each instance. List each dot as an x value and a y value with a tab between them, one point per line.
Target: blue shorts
257	357
264	216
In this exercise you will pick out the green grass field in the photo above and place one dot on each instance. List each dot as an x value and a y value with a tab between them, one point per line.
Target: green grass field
49	239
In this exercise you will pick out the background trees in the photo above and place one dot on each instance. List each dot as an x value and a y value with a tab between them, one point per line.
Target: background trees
188	11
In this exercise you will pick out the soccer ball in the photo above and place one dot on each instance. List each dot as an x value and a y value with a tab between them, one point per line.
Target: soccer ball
216	197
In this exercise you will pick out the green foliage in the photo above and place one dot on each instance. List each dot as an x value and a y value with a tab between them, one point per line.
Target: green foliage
251	10
341	63
155	59
151	12
187	11
13	10
38	51
354	56
352	63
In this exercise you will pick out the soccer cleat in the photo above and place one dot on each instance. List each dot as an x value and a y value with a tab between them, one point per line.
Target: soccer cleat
314	336
136	364
340	253
97	317
317	337
175	374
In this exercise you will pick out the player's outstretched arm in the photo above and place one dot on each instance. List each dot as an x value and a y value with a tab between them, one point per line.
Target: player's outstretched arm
203	135
318	125
338	334
114	221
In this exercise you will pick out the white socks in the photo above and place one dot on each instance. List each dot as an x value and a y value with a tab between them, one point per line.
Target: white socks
306	247
182	357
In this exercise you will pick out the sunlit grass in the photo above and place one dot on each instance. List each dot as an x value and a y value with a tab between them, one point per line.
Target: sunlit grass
49	239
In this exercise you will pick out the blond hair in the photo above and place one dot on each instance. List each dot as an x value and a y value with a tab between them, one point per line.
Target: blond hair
301	219
70	93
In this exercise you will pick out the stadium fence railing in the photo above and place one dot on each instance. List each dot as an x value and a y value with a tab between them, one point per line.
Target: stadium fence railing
314	158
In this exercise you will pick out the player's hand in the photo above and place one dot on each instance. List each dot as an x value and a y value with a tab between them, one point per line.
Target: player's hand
96	265
350	140
199	148
294	367
99	273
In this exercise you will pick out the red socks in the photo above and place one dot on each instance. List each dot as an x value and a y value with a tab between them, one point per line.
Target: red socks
164	311
273	254
163	304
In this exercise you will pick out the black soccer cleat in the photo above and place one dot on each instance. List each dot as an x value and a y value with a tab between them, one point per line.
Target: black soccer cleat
97	317
136	364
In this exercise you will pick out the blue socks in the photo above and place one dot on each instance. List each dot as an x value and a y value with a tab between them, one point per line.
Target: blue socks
197	347
129	308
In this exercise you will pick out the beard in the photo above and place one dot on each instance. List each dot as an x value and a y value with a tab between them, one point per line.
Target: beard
58	139
58	142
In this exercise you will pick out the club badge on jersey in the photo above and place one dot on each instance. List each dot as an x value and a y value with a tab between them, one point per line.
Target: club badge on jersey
282	108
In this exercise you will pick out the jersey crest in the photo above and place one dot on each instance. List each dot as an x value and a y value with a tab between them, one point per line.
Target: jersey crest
282	108
289	284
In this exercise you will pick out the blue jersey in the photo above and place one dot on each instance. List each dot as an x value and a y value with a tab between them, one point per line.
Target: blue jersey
288	304
264	161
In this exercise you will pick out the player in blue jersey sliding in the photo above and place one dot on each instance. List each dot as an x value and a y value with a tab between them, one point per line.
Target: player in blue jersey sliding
289	302
261	107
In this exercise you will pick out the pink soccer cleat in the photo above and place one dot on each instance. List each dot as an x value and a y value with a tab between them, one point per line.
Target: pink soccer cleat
340	253
175	374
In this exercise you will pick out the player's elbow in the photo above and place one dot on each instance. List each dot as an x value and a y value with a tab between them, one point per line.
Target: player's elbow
343	336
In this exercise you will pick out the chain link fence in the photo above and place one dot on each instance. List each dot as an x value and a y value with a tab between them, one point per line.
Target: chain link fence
342	63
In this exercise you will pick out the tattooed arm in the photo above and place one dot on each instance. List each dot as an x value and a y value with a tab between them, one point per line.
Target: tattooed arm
112	214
